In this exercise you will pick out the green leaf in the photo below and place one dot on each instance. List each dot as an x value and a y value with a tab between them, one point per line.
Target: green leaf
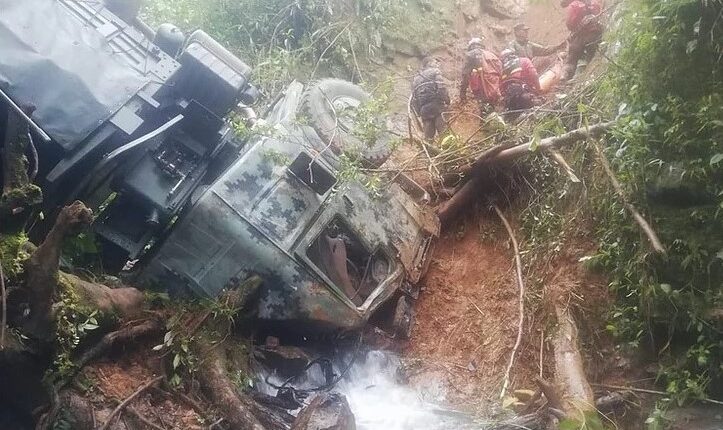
176	361
690	46
666	288
717	158
158	347
535	141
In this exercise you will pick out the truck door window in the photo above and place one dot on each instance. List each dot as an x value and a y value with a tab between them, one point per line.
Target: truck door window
342	257
312	174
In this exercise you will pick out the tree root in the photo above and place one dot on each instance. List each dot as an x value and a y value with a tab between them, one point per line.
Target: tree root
42	268
220	389
125	335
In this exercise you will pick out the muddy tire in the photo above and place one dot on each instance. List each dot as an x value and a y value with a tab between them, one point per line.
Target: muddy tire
327	103
403	318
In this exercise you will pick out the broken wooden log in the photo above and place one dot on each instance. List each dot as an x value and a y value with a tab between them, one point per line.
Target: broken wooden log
568	138
466	194
575	397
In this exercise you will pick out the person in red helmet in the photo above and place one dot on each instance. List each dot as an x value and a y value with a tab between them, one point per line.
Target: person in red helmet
520	82
583	21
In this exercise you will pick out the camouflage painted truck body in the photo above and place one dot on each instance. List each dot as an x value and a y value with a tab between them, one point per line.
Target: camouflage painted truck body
263	215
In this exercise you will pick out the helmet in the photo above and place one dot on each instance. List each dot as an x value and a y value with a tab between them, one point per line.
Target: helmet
507	53
475	41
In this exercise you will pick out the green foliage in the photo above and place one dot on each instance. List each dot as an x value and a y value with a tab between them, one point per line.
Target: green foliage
183	329
666	88
81	249
369	119
63	421
285	39
11	254
177	341
74	322
591	421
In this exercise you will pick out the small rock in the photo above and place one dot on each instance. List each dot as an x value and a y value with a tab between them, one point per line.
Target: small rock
327	411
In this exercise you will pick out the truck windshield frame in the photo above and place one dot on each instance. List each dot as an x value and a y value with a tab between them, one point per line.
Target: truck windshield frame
360	287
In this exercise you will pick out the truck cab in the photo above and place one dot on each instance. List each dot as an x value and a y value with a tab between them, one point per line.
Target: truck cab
141	127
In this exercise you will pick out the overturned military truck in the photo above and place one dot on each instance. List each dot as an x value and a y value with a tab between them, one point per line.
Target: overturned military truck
138	124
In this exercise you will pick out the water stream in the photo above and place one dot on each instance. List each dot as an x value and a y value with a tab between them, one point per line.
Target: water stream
380	401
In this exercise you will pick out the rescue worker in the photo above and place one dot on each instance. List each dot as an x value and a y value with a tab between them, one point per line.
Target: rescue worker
520	82
430	97
523	47
583	21
481	74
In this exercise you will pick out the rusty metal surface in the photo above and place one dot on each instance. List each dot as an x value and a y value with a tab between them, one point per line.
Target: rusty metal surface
260	218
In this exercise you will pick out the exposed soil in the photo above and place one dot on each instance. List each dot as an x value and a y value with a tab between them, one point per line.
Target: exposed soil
467	315
115	378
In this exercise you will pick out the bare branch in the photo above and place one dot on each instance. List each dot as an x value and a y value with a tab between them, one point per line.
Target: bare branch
130	398
521	300
639	219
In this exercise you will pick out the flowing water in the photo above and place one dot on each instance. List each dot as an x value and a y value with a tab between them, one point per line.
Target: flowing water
380	401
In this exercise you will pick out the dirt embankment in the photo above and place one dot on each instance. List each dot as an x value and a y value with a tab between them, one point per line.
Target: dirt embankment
467	317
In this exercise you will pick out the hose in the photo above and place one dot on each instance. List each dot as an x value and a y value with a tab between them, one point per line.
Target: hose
328	384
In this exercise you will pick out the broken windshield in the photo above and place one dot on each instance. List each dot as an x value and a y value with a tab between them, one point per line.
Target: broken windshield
353	268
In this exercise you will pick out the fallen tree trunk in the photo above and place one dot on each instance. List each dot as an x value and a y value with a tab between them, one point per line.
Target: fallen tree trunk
576	398
506	152
451	209
568	138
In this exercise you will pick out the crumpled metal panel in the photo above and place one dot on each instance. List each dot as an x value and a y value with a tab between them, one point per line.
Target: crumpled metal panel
258	218
48	59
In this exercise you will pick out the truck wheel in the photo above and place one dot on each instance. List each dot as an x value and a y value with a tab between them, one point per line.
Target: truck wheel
330	105
403	318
